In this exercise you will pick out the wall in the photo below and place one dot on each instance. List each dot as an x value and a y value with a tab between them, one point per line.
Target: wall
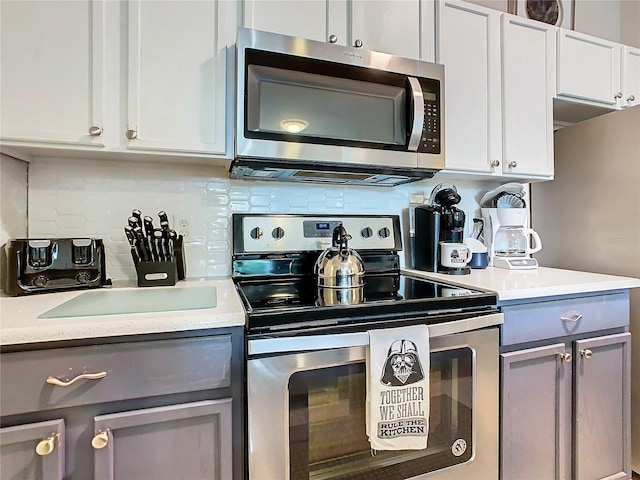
69	198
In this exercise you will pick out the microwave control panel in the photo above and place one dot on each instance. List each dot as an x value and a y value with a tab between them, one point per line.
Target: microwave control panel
431	128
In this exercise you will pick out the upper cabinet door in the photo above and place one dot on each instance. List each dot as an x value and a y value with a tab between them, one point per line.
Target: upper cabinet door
528	85
630	77
52	72
588	68
469	47
176	75
320	20
391	27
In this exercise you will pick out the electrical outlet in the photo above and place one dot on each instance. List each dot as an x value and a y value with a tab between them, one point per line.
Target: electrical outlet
183	228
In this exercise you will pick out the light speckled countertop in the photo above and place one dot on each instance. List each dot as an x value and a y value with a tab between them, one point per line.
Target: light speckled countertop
19	322
535	283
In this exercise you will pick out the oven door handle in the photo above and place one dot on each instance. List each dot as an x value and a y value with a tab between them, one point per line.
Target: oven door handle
262	346
418	114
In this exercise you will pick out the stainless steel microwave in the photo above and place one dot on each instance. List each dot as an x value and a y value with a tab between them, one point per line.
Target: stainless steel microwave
320	112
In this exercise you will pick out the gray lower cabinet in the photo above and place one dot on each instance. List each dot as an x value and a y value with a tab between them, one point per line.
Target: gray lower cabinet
187	441
151	407
565	401
34	450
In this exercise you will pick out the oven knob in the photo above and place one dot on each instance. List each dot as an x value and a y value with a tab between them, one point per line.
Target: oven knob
366	232
384	232
40	281
256	233
277	233
83	277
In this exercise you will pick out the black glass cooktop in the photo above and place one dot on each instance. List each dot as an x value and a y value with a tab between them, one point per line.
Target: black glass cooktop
274	302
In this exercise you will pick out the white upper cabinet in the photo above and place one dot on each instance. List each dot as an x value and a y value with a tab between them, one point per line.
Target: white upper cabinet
528	81
320	20
588	69
468	45
404	28
52	72
499	84
176	76
77	76
630	77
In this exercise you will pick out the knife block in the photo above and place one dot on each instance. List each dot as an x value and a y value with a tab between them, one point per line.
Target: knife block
162	274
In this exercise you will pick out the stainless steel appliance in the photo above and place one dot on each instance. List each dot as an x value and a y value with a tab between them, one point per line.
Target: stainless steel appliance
316	112
306	357
39	265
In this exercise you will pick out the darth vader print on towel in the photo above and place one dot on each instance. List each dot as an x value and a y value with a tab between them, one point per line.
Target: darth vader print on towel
402	366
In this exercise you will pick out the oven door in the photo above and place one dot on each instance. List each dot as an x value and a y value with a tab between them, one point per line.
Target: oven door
306	409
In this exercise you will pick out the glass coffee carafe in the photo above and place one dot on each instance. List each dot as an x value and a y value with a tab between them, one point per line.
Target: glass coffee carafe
515	241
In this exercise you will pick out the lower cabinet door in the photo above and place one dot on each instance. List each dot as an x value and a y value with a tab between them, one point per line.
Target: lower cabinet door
187	441
33	451
535	420
602	435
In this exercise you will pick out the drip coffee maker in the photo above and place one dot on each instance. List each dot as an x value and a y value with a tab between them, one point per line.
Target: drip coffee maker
511	244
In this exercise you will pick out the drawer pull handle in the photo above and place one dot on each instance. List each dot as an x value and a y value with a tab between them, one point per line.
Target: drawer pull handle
46	446
84	376
566	357
586	353
573	318
101	440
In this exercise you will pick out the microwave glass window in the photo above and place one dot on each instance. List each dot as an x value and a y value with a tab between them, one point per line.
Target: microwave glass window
297	103
327	437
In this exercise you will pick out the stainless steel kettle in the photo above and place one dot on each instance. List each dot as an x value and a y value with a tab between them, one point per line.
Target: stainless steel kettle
339	266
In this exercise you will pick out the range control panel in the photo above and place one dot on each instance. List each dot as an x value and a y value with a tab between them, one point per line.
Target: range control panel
300	233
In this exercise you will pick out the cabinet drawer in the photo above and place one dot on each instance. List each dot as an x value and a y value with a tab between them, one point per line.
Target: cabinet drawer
133	370
537	321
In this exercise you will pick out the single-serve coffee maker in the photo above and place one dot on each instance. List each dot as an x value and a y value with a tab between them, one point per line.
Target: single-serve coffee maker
509	241
439	234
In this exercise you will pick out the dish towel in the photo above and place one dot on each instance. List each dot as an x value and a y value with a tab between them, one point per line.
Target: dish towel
398	388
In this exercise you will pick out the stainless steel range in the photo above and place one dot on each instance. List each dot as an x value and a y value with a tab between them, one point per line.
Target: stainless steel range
307	348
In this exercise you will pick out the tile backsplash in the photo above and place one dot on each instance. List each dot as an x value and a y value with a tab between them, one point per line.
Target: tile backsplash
69	198
13	198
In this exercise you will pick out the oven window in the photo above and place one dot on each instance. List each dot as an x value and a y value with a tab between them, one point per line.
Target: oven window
327	436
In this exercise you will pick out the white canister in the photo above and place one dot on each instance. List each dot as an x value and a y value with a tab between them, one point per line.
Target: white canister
454	255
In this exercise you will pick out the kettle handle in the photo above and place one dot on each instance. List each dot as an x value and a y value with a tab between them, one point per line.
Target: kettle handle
537	242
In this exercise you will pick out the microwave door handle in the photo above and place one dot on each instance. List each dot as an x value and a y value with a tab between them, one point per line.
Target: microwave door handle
418	113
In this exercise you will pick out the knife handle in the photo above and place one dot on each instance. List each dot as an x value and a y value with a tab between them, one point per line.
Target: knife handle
158	236
163	217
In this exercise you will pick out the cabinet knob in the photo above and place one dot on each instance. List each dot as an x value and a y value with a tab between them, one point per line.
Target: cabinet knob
333	38
46	446
495	163
513	164
618	95
572	318
586	353
565	357
84	376
357	43
631	98
95	131
131	134
101	440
